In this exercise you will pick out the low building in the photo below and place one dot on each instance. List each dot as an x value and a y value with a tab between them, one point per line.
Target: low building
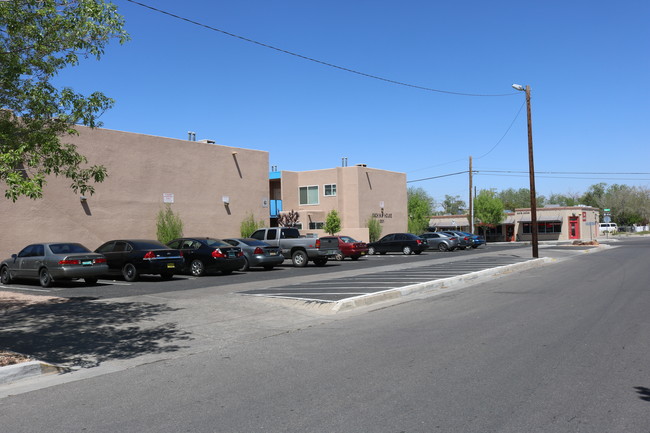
554	223
357	193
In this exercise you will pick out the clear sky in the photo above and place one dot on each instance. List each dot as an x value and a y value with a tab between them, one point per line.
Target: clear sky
587	62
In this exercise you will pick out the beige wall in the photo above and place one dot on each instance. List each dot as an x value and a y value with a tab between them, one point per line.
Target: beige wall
141	168
359	193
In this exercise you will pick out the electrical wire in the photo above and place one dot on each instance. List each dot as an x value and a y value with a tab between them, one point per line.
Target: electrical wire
505	133
311	59
437	177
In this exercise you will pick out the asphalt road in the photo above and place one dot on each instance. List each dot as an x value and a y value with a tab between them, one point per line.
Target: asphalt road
561	348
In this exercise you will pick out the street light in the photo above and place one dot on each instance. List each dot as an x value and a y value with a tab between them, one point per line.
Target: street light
531	171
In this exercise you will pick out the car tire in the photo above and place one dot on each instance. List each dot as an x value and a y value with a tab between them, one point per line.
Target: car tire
45	278
197	268
5	275
90	281
167	275
339	257
130	273
246	266
442	247
407	250
299	259
371	251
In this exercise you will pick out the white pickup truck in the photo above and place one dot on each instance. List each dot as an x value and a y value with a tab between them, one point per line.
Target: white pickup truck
299	249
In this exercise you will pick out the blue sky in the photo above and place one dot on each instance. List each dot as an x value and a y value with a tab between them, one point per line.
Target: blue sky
587	63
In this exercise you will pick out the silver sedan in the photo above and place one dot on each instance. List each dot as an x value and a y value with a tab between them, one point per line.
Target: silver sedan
54	261
257	253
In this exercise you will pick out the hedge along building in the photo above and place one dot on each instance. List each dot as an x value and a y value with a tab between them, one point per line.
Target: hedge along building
212	188
357	193
554	223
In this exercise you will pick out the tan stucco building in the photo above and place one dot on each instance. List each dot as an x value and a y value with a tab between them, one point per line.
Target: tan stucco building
554	223
212	187
356	192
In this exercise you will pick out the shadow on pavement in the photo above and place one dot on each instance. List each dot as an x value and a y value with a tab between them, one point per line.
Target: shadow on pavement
83	333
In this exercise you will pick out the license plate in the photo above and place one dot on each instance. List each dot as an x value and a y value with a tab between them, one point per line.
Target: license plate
87	262
171	265
273	253
231	254
363	253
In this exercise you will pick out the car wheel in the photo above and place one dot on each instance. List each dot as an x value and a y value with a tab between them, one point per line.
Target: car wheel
407	250
91	281
371	251
355	258
339	257
320	262
299	259
45	278
197	268
442	247
167	275
246	266
5	276
130	273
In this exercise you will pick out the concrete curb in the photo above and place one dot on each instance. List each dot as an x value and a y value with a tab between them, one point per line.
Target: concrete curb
23	370
434	286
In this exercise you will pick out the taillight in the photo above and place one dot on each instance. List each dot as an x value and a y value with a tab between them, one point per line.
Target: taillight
150	255
240	254
100	261
216	253
68	262
258	250
418	241
317	243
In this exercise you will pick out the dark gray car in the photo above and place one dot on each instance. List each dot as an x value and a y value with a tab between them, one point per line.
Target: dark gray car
257	253
440	241
54	261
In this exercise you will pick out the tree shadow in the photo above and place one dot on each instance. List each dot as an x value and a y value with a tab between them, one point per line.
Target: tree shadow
83	333
644	393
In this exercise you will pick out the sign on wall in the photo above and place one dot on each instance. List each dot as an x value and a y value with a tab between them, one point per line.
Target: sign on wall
168	197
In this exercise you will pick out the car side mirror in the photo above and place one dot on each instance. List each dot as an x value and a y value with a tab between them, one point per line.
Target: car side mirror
14	256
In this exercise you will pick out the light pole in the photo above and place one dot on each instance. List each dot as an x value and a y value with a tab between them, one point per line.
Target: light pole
531	171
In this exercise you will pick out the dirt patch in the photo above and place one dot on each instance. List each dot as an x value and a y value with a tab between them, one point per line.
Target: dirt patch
10	301
585	243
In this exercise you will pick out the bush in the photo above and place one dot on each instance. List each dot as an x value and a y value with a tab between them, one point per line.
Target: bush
374	229
169	225
249	225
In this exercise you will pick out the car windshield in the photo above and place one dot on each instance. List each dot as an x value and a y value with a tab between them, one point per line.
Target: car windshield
348	239
215	243
68	248
254	243
149	245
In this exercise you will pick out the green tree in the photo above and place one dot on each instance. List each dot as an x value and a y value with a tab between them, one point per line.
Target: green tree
488	209
514	199
332	222
419	208
39	38
453	205
564	199
168	225
249	225
374	229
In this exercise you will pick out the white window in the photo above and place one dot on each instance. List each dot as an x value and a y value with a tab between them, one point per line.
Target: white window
329	190
315	225
309	194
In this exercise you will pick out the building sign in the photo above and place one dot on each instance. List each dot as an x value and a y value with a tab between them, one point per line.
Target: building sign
382	215
168	197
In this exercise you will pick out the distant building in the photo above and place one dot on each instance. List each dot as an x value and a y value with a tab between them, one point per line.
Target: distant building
553	223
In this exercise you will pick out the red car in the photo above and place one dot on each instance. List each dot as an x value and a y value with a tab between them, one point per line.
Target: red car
349	247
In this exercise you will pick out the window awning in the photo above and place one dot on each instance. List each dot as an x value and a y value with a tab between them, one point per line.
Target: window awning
449	222
543	219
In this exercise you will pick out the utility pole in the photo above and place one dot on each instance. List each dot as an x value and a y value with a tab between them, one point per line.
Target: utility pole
471	203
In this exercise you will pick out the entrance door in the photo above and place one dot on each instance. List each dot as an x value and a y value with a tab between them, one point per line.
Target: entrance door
574	228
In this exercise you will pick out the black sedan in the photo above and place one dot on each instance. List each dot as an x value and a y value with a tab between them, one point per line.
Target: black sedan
55	261
204	255
132	257
257	253
406	243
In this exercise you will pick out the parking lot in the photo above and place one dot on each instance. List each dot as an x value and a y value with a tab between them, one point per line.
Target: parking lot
329	283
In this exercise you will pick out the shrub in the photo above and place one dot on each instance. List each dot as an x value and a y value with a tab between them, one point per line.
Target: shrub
249	225
169	225
374	229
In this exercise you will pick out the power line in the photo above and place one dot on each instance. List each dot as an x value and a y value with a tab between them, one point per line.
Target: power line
311	59
505	133
437	177
563	172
